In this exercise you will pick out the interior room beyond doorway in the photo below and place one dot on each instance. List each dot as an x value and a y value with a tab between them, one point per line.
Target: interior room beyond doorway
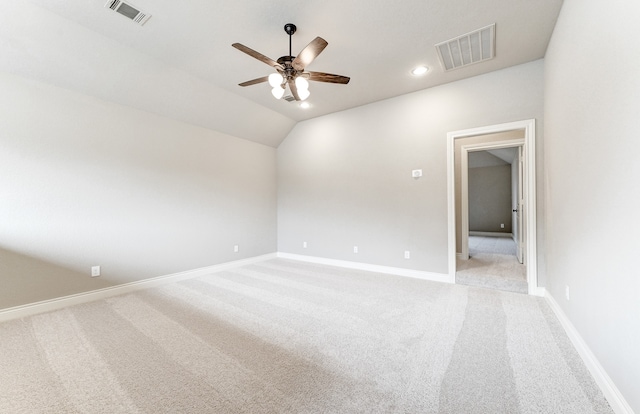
492	194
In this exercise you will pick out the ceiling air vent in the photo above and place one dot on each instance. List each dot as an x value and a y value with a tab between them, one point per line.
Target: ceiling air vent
470	48
127	10
289	98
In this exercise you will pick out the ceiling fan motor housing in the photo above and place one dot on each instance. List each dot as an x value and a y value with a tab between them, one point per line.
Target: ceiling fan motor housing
289	72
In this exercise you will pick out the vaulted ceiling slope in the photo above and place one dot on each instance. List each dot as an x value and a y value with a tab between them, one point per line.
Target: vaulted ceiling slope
180	64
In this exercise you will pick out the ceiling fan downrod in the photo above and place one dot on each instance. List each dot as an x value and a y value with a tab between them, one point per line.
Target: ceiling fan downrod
290	29
288	73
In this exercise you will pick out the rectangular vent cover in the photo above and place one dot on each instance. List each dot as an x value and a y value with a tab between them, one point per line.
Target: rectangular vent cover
470	48
289	98
127	10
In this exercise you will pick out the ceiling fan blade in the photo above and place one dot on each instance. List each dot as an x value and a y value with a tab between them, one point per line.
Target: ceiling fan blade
309	53
258	55
294	89
327	77
254	81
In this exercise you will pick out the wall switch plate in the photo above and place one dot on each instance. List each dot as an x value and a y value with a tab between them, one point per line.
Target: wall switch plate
407	254
502	225
236	248
566	292
95	271
304	245
355	249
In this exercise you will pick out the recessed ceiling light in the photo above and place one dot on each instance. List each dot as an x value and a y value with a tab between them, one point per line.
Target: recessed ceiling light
305	105
419	70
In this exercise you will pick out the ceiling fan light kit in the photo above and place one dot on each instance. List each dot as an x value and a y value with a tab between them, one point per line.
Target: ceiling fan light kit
303	94
275	80
290	69
277	92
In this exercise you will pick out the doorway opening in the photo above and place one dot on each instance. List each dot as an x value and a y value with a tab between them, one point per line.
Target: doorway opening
492	244
519	138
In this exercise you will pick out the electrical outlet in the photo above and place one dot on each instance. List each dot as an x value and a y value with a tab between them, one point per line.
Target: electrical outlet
236	248
566	292
407	254
95	271
304	245
502	225
355	249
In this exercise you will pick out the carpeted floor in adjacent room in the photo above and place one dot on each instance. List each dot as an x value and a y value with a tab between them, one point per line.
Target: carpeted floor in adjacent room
492	264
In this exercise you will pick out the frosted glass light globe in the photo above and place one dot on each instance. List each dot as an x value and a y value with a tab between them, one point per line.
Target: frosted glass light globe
275	79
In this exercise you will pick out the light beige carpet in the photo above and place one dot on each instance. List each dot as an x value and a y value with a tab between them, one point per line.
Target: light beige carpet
289	337
492	264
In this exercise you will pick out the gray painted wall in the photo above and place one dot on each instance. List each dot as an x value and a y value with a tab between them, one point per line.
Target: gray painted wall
345	179
592	102
490	198
85	182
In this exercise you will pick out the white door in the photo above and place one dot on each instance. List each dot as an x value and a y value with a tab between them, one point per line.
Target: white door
520	240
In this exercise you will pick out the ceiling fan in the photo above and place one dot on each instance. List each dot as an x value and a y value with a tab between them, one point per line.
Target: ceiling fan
290	70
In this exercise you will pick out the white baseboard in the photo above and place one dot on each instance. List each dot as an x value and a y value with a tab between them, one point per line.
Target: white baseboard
609	389
538	291
416	274
490	234
65	301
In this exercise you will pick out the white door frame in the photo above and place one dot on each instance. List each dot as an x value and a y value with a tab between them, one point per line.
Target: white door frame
464	183
519	213
529	194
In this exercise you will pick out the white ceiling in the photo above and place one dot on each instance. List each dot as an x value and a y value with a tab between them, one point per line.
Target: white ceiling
181	64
